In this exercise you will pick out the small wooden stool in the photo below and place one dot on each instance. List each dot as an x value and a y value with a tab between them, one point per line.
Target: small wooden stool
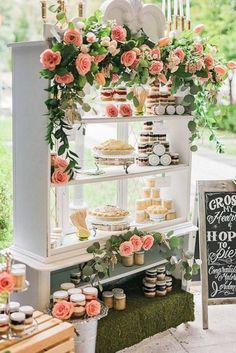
52	336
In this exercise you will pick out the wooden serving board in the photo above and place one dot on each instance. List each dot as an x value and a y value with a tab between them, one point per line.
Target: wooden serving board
52	336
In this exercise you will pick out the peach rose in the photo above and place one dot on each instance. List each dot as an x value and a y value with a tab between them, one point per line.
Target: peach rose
115	78
73	36
198	47
59	177
83	63
199	28
63	310
156	67
99	58
111	111
163	42
118	33
209	61
93	308
220	70
162	78
135	64
180	53
7	282
231	64
155	53
91	38
136	242
64	79
137	51
126	248
50	59
148	242
125	110
145	47
60	163
128	58
100	79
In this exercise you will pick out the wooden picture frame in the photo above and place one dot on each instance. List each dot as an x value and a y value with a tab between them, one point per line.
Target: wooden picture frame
207	187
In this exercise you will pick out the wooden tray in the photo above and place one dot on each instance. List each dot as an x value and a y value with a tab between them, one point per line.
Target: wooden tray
52	336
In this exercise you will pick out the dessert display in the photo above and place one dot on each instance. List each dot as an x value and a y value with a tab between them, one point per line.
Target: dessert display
140	93
154	148
109	213
151	206
115	299
106	94
156	283
120	94
114	147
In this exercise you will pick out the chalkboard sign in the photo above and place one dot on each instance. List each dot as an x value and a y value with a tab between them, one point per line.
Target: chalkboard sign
217	220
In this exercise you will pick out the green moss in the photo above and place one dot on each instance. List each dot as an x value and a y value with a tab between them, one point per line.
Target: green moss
143	318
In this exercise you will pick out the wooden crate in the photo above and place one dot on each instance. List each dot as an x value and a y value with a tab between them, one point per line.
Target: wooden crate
52	336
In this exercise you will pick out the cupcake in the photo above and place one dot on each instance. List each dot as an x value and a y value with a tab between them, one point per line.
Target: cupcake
120	94
106	94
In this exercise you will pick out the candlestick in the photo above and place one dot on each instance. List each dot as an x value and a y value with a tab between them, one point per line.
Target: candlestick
181	9
81	8
44	10
182	23
169	26
188	24
188	10
164	7
168	11
175	21
175	7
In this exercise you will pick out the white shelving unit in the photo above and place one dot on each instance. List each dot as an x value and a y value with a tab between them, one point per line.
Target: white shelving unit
33	189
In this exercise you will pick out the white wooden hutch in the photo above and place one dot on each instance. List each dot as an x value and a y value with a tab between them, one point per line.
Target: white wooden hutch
35	196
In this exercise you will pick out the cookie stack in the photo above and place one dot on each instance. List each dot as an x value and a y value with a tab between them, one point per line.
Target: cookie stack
156	283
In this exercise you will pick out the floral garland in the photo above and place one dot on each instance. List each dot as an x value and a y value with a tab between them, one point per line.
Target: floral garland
170	246
94	53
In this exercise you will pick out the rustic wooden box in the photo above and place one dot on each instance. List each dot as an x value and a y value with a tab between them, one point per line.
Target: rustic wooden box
52	336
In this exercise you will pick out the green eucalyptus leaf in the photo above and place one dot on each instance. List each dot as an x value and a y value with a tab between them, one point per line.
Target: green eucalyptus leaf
188	100
86	107
135	101
87	271
130	95
61	150
192	126
194	148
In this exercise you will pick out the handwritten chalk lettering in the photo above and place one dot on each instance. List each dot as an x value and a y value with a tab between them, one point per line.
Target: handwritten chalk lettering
222	274
220	217
220	236
221	202
225	289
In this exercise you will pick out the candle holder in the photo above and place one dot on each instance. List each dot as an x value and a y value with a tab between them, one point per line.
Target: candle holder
169	26
175	22
81	9
182	23
44	10
188	24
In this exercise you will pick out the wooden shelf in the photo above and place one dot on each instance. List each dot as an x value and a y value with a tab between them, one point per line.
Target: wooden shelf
116	173
105	120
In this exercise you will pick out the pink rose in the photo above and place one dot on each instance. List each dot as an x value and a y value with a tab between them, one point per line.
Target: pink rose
83	63
50	59
148	242
118	33
73	36
162	78
220	70
111	111
115	78
206	79
7	282
93	308
209	61
64	79
136	242
163	42
99	58
180	53
59	177
60	163
135	64
137	51
199	28
63	310
156	54
126	248
128	58
125	110
199	47
91	38
231	64
156	67
145	47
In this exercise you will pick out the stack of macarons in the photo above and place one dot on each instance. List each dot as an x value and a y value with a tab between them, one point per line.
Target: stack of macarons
156	283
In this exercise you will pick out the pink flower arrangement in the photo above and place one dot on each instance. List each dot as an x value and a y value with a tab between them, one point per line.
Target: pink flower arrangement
60	163
83	63
163	42
60	177
156	53
231	64
162	78
93	308
115	78
64	79
63	310
198	47
220	70
180	53
91	37
148	242
199	28
128	58
99	58
136	242
7	282
125	110
100	79
73	36
156	67
126	248
118	33
111	111
50	59
209	61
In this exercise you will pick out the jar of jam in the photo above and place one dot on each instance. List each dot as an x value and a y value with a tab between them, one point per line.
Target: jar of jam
107	298
127	261
119	301
139	258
